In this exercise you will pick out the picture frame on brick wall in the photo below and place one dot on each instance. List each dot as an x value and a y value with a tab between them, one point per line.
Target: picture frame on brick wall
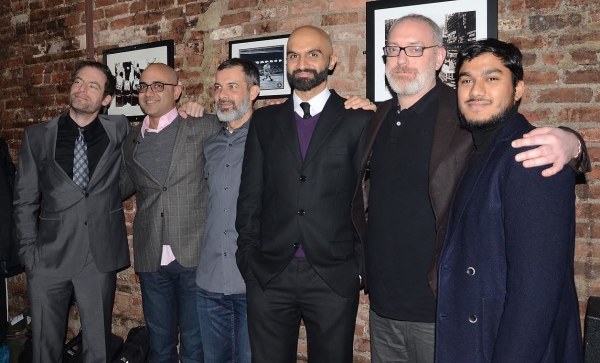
269	55
462	21
127	64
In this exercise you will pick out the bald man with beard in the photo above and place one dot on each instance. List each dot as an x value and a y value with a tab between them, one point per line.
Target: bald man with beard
297	249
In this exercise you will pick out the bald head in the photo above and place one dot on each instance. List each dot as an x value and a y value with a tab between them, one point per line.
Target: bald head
164	70
316	35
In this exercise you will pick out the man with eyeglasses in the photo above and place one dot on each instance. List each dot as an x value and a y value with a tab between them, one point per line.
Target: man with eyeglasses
415	152
163	163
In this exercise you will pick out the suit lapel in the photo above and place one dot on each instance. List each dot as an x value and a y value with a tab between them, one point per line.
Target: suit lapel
328	119
132	150
111	132
179	144
50	135
444	129
286	122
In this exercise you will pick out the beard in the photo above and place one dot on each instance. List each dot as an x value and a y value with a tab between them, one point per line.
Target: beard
236	112
408	87
83	106
490	123
304	84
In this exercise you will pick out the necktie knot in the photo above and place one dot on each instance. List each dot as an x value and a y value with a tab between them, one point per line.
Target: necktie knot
306	108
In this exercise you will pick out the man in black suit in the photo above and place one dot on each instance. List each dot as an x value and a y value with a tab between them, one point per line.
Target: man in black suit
297	249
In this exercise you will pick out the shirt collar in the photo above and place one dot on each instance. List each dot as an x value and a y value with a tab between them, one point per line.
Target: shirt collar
317	103
164	121
424	102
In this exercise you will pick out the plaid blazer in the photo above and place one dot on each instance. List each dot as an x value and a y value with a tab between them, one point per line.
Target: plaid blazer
175	208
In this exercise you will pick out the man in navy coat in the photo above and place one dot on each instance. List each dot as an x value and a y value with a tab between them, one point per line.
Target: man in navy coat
506	291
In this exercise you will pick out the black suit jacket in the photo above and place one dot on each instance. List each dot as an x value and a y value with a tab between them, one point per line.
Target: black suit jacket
285	201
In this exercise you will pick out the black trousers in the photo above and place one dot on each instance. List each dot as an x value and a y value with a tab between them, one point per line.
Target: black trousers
298	292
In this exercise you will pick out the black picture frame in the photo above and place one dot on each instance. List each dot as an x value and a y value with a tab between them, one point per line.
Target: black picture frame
381	14
269	55
127	64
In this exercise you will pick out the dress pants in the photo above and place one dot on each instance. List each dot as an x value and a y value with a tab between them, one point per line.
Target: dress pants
298	292
49	299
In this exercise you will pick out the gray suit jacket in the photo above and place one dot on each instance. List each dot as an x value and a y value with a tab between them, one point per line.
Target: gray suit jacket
176	208
57	223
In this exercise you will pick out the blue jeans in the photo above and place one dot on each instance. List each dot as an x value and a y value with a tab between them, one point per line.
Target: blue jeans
169	301
224	327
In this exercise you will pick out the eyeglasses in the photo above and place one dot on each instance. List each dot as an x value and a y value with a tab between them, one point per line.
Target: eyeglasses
155	87
410	51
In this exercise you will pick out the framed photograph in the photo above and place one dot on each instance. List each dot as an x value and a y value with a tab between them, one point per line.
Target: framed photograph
462	21
127	64
269	55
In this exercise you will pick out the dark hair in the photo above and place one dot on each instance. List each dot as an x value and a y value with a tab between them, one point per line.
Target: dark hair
251	74
111	82
508	53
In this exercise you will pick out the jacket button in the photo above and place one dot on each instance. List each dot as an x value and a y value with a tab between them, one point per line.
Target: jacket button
302	178
87	195
473	319
85	223
301	212
471	271
296	245
164	189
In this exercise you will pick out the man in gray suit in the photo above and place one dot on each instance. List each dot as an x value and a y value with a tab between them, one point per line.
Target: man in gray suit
163	163
69	217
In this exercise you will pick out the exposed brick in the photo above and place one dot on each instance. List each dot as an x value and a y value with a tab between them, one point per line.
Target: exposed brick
565	95
265	27
539	23
583	77
240	4
525	5
578	114
236	18
584	57
539	78
339	19
313	7
347	4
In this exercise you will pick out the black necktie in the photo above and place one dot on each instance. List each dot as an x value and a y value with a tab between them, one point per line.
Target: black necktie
306	108
81	172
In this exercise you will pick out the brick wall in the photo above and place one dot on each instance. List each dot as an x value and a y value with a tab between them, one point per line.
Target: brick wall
42	40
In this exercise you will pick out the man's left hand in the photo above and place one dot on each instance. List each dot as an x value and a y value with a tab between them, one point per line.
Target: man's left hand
556	147
356	102
193	109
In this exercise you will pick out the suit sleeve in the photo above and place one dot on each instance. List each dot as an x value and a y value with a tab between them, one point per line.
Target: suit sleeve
539	222
580	164
125	182
249	202
26	202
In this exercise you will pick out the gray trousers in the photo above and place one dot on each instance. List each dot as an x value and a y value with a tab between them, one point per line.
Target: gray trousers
49	298
400	341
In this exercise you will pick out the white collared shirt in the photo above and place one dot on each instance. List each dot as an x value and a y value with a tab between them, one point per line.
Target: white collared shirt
316	103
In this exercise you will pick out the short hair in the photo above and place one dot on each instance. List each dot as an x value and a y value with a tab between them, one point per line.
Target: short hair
508	53
438	34
111	83
251	74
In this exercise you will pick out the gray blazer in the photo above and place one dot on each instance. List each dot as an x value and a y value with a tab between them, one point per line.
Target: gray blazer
57	223
177	207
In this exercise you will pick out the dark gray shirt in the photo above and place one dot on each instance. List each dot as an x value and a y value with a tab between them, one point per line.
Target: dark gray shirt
217	270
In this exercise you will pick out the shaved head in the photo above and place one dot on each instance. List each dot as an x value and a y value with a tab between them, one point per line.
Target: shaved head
317	35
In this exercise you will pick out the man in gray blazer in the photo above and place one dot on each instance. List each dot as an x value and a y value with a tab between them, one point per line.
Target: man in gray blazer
69	217
163	163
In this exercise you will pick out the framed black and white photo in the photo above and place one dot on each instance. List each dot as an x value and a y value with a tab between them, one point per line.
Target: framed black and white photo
269	55
462	21
127	64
